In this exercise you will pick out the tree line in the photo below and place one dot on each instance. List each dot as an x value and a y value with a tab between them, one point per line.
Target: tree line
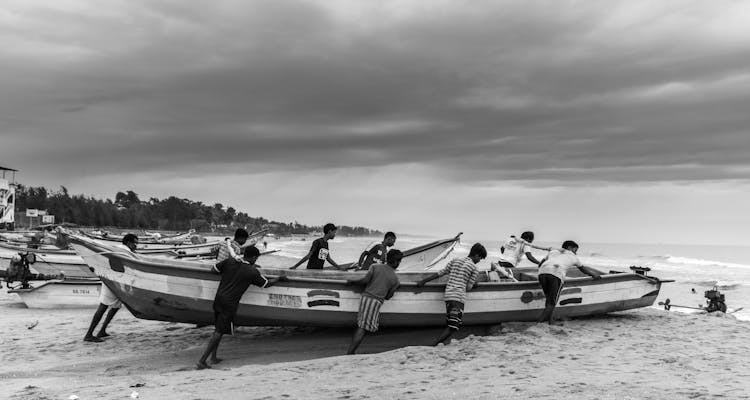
128	211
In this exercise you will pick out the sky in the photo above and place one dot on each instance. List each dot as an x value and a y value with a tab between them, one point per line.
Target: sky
618	121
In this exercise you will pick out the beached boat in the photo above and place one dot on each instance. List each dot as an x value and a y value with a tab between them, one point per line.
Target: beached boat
50	263
41	249
173	240
60	293
173	290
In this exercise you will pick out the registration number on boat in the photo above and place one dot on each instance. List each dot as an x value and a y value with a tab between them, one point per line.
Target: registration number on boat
80	291
284	300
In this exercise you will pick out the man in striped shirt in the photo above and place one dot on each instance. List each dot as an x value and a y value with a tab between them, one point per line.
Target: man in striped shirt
462	276
233	248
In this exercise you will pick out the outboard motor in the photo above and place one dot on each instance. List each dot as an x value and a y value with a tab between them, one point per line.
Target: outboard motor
715	300
19	270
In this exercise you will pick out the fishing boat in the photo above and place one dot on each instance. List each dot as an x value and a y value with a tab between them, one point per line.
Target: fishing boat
178	291
50	263
60	293
41	249
171	241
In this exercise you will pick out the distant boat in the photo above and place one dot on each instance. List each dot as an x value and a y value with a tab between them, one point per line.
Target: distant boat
178	291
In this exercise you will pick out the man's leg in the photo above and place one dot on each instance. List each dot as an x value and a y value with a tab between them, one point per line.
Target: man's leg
359	335
214	358
94	322
213	344
551	287
454	315
447	333
103	331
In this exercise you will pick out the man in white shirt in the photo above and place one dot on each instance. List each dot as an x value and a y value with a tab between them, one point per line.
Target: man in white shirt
513	251
552	272
107	299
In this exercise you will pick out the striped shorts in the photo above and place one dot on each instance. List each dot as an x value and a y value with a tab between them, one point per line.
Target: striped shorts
369	313
454	313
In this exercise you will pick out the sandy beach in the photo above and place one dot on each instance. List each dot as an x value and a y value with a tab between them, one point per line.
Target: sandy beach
641	354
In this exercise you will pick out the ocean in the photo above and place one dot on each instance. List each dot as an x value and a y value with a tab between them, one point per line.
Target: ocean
695	267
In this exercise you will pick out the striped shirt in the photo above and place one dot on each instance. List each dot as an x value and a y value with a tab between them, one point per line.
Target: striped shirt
227	248
463	274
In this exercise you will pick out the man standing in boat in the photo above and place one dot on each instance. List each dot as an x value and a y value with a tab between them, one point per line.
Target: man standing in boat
513	251
462	276
552	275
319	254
382	282
236	277
376	252
233	248
107	299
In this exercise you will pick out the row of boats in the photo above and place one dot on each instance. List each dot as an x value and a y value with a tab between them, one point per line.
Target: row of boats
175	283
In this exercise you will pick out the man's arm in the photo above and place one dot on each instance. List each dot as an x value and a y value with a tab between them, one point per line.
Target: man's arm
361	281
428	278
590	271
532	258
218	267
391	292
305	258
330	260
473	280
232	254
362	258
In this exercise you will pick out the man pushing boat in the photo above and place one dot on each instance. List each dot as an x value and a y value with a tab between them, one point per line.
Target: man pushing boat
462	276
382	282
319	253
236	277
376	252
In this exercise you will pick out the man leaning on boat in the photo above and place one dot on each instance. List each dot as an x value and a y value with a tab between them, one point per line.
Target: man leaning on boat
236	277
107	299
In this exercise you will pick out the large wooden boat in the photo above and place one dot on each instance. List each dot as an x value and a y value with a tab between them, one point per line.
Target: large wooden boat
173	290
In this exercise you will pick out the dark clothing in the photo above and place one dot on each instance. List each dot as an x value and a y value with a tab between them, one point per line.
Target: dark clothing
454	313
224	322
375	254
551	287
236	277
505	264
318	254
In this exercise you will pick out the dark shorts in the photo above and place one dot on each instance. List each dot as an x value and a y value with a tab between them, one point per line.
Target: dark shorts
224	322
551	286
505	264
454	313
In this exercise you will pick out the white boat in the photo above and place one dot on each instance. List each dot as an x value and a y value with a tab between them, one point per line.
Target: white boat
60	293
178	291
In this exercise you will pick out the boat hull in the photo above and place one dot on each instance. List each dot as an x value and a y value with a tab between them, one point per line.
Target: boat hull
61	294
181	292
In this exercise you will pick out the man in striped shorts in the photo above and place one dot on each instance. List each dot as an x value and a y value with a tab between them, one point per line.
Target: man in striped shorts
462	276
382	282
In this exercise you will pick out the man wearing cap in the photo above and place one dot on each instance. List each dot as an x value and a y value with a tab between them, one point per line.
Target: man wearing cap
236	277
319	254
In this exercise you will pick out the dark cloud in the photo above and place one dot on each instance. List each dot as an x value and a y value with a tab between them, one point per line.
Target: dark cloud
529	92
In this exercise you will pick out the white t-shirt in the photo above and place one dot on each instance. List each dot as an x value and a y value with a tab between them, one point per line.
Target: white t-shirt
514	250
558	263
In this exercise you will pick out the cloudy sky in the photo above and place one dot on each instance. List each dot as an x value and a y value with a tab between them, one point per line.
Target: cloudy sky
617	121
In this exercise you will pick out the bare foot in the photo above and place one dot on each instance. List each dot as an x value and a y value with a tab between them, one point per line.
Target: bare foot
216	360
202	365
102	334
92	339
